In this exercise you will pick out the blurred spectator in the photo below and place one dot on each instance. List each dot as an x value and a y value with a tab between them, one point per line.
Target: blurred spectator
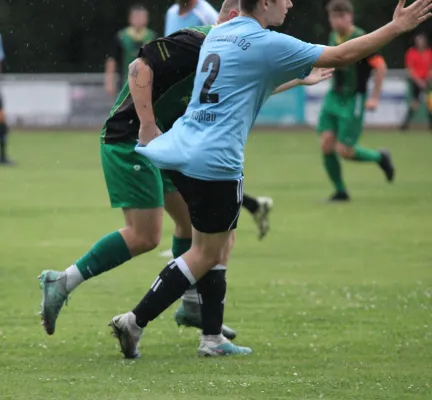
4	160
188	13
125	48
418	62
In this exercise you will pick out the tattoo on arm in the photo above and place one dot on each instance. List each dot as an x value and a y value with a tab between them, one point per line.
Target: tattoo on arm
139	81
133	70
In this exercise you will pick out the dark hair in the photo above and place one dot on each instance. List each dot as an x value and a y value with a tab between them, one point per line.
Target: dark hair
342	6
137	7
248	5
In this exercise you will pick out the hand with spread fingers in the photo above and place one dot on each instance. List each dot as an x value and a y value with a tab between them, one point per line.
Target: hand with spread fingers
408	18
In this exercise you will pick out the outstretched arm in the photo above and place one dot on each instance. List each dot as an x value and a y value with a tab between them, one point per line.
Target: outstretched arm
140	85
404	20
316	76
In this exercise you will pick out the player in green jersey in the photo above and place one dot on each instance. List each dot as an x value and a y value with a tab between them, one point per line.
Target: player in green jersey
342	115
125	48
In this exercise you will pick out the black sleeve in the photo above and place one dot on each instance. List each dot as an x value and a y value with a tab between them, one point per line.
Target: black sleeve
151	52
116	51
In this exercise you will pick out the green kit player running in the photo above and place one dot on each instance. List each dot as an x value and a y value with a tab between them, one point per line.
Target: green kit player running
342	115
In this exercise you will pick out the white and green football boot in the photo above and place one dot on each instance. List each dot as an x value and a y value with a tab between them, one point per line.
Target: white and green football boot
54	295
221	347
128	333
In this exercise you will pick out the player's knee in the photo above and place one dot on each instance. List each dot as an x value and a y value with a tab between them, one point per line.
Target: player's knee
143	242
328	142
227	251
345	151
208	256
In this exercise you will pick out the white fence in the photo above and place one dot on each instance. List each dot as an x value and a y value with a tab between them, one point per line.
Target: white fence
79	101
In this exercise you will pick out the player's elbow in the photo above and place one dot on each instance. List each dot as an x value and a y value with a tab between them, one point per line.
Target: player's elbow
334	57
344	59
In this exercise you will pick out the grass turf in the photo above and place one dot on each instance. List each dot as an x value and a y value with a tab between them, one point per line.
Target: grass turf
336	302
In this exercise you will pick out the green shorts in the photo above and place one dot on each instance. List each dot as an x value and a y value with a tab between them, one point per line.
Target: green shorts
343	115
132	180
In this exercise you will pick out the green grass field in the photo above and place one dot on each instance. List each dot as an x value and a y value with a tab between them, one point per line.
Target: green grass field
336	302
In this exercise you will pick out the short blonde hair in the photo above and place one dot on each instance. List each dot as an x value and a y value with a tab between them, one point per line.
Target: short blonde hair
229	5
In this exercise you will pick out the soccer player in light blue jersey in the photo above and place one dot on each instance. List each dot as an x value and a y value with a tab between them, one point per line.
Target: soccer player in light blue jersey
187	13
240	65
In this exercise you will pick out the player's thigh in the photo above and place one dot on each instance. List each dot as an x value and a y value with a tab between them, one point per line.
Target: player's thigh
228	248
327	122
350	130
132	181
327	129
143	227
207	251
350	123
178	211
214	206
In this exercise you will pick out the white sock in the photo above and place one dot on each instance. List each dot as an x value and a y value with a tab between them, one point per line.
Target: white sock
214	339
73	278
183	267
191	296
132	321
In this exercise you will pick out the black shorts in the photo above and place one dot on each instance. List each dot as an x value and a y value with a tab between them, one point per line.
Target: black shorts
416	90
1	102
214	206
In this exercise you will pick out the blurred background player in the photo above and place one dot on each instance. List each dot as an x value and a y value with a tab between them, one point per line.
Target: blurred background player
127	43
341	119
418	62
4	160
187	13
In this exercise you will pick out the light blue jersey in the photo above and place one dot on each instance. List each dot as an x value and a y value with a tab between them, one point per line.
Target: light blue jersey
2	54
202	14
240	65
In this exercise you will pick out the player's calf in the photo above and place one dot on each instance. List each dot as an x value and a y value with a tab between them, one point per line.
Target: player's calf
333	167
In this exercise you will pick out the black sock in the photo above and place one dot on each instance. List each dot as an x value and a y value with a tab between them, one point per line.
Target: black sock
211	291
408	117
169	286
430	120
3	134
250	203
